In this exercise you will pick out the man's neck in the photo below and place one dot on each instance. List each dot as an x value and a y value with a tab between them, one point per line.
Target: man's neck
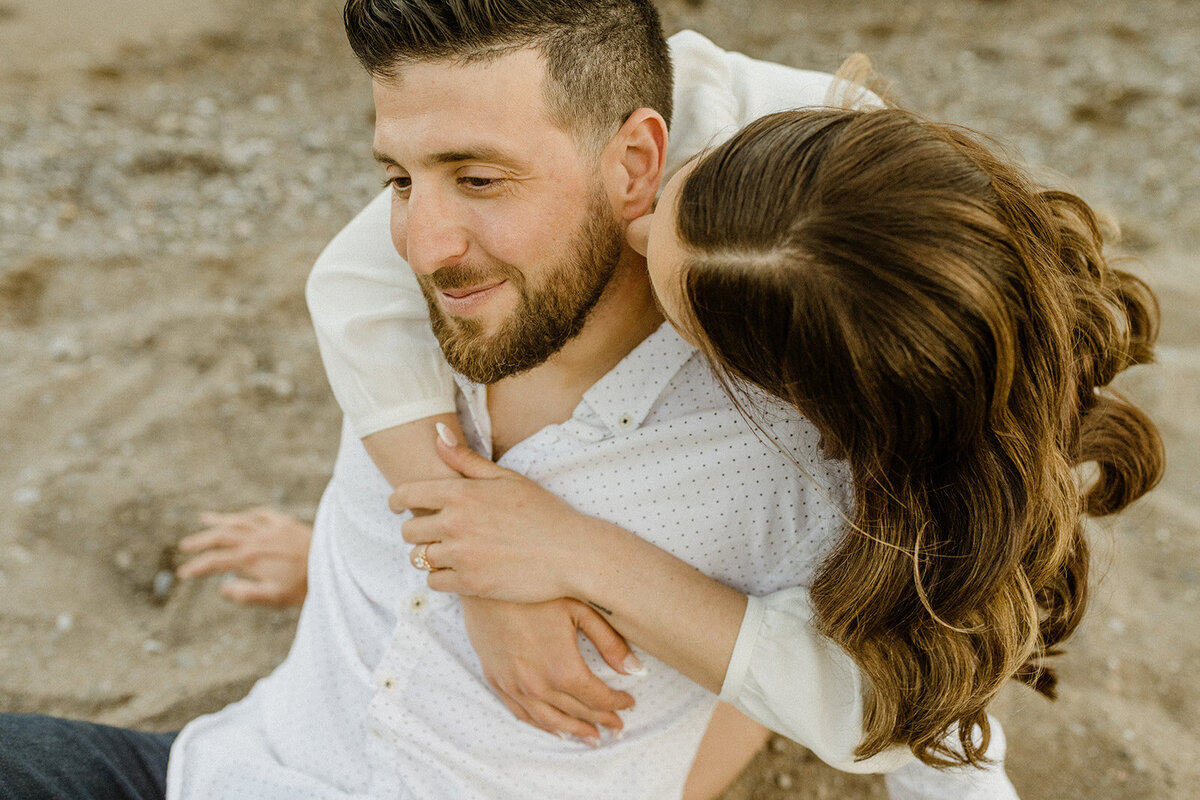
626	314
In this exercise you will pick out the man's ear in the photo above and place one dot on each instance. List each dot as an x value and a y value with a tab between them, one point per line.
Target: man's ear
633	162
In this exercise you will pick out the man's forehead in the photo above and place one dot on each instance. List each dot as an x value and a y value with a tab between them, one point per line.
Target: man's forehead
448	111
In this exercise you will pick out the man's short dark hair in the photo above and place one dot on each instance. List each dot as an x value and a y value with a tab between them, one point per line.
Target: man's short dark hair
604	58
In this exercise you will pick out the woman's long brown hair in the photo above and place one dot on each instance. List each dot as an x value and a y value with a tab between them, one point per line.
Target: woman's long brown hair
949	327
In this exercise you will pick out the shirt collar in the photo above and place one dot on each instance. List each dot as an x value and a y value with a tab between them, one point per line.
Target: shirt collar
624	396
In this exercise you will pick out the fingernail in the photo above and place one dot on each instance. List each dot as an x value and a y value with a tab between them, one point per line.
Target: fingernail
566	737
616	734
633	665
592	741
445	435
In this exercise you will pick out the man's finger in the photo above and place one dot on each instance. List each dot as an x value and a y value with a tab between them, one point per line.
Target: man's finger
210	562
205	540
232	518
248	592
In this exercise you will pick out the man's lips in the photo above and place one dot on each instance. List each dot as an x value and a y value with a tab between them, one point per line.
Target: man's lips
458	301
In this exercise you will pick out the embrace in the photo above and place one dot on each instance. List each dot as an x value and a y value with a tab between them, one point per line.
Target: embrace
657	442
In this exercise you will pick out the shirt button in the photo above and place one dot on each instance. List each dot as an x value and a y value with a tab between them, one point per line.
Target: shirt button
625	420
417	603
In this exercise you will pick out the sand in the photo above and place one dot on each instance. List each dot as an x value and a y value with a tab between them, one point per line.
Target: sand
168	172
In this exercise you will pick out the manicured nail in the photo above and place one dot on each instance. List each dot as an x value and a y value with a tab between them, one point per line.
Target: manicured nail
633	665
445	435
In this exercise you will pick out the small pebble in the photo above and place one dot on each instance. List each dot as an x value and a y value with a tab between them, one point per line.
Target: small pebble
783	780
27	496
164	582
153	646
64	622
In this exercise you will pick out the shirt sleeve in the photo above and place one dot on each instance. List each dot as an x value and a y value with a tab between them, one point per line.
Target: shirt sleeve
372	326
798	683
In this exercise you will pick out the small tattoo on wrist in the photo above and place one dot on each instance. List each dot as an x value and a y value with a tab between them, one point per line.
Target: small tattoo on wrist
599	608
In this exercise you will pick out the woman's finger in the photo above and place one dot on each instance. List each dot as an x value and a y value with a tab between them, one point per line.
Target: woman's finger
429	495
447	580
550	718
517	709
612	647
422	557
572	707
463	459
423	530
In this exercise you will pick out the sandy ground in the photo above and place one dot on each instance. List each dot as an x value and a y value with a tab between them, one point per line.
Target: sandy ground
168	172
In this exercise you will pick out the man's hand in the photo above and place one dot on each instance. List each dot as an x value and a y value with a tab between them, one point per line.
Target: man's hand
530	656
267	550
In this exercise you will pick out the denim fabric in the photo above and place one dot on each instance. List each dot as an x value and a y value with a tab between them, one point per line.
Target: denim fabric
45	758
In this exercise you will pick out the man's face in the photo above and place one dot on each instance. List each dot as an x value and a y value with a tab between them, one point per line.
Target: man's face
503	220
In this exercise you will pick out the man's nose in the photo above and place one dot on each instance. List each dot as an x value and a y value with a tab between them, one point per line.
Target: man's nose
434	234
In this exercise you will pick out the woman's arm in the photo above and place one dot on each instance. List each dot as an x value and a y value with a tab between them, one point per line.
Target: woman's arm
372	326
502	536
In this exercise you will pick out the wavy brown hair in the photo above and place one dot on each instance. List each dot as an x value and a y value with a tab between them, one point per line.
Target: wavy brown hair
950	328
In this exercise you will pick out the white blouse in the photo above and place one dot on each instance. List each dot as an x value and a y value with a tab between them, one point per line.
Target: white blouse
386	369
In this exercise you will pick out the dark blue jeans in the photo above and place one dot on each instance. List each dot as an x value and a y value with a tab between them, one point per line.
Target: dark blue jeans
45	758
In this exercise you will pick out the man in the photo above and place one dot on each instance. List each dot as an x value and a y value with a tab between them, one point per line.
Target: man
512	210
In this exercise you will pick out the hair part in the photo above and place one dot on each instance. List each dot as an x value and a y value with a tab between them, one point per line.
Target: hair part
950	329
604	58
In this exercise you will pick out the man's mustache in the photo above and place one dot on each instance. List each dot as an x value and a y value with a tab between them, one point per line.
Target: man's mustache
467	276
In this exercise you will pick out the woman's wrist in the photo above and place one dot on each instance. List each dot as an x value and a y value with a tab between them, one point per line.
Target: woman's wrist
594	561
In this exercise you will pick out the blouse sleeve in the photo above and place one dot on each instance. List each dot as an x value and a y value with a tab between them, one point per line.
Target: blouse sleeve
785	675
372	326
798	683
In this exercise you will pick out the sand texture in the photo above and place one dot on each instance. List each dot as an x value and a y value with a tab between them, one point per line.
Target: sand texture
168	173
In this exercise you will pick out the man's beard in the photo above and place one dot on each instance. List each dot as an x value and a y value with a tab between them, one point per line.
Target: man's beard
547	316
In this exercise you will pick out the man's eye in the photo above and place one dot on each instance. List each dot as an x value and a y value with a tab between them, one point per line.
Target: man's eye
399	183
477	182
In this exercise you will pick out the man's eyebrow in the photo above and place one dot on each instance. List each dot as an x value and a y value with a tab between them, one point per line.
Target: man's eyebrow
480	153
384	158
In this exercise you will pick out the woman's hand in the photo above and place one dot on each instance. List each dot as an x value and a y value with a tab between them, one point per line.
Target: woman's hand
530	656
267	550
494	533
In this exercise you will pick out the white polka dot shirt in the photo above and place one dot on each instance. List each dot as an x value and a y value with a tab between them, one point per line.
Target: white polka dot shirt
382	695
